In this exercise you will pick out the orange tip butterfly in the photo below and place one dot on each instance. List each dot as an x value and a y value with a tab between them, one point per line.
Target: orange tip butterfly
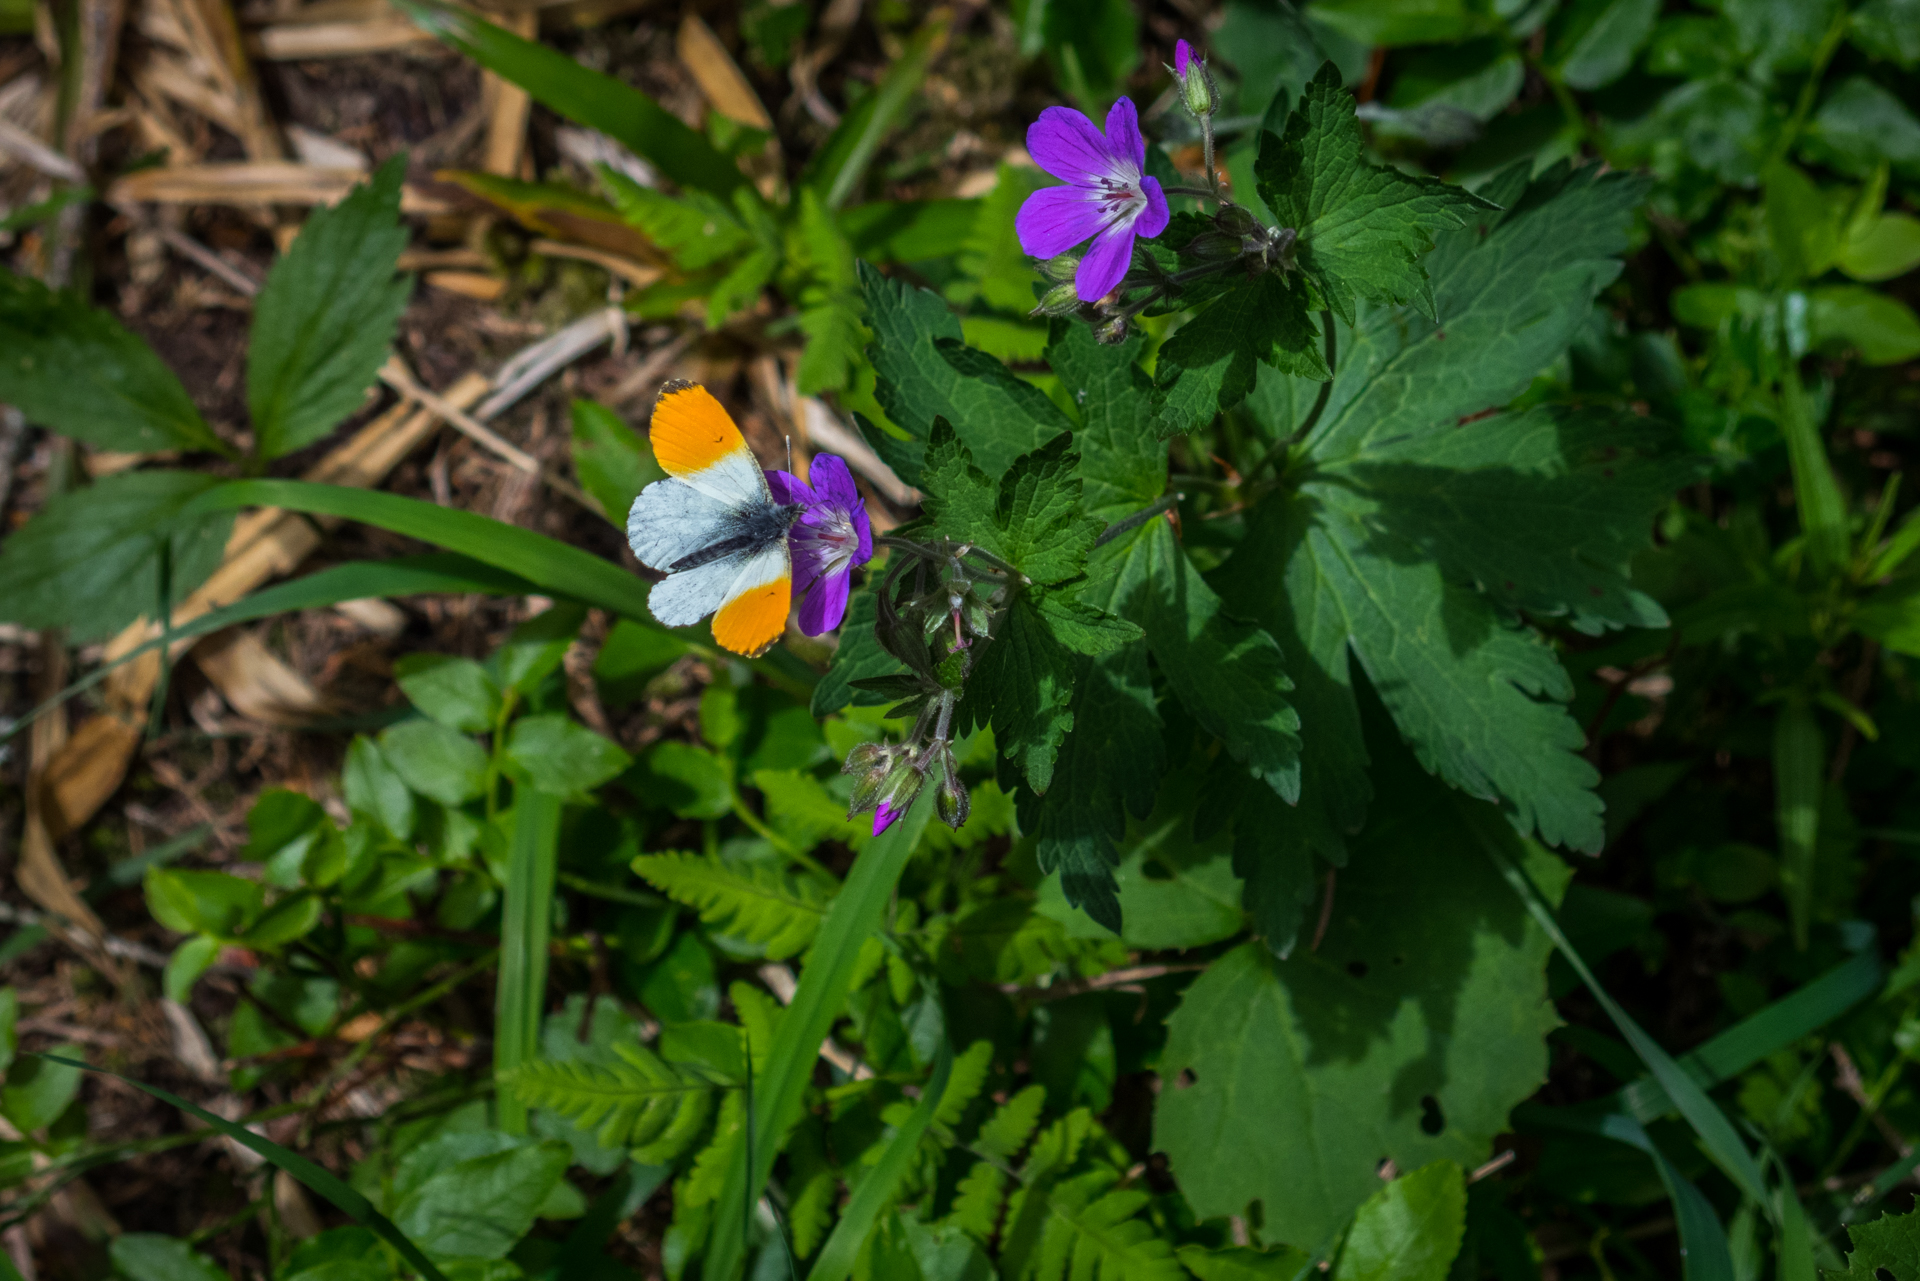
712	526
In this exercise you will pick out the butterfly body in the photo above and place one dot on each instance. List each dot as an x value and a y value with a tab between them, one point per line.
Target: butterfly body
713	526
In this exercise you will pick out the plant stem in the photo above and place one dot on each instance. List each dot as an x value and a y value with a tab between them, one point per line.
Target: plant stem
1139	518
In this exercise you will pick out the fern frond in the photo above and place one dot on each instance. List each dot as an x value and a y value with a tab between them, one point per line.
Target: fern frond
758	1012
642	1102
757	902
703	1182
804	812
811	1185
1011	1125
964	1083
977	1201
1058	1146
1091	1233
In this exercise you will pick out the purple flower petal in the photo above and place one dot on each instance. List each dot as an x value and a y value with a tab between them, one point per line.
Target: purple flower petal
1153	219
1106	262
1065	144
884	817
825	605
1055	219
864	528
1123	136
789	489
1182	51
832	482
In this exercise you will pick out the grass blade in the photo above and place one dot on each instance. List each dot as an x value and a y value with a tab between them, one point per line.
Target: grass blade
1708	1121
856	913
526	918
553	566
401	576
317	1179
1800	1012
844	158
583	96
876	1189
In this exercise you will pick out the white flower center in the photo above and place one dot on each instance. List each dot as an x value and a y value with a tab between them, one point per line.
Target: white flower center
838	541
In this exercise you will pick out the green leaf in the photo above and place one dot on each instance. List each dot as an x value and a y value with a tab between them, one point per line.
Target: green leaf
635	1099
39	1088
80	372
1799	780
457	692
1211	362
195	902
1123	460
148	1256
1363	227
1381	554
1409	1230
1412	1030
1883	330
474	1195
1093	1228
535	649
1022	685
755	902
1082	628
1398	22
557	754
689	780
1594	40
90	560
1031	519
1092	47
326	316
859	657
610	459
586	97
804	812
925	372
1885	247
1890	1245
1888	29
1860	127
374	790
1238	1263
189	961
437	762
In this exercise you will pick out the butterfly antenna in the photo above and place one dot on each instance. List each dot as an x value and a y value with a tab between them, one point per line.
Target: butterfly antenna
789	453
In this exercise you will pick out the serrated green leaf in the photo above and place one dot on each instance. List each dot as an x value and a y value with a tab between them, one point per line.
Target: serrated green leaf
1888	1245
474	1195
326	316
860	656
1109	768
80	372
755	901
1211	362
1363	227
1022	686
925	372
1082	628
828	295
1123	458
90	560
1419	1021
1423	595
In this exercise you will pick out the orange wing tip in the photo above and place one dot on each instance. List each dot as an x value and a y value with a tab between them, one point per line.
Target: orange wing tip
690	431
751	622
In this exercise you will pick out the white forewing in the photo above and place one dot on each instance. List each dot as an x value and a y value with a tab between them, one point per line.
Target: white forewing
671	520
735	480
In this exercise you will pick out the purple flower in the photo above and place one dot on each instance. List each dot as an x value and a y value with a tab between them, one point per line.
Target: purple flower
1182	51
884	817
1107	197
831	537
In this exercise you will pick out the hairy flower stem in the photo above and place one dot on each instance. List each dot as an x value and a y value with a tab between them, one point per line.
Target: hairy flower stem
1164	503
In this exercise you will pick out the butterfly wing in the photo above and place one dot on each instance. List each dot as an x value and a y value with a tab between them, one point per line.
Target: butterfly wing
697	444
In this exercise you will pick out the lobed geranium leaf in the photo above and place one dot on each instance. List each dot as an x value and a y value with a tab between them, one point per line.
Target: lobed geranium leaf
1023	687
1210	363
1416	525
1363	227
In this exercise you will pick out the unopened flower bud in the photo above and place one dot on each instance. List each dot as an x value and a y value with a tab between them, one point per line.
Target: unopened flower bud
864	757
896	793
1212	246
1059	301
1236	220
1061	267
1111	333
951	801
1198	94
